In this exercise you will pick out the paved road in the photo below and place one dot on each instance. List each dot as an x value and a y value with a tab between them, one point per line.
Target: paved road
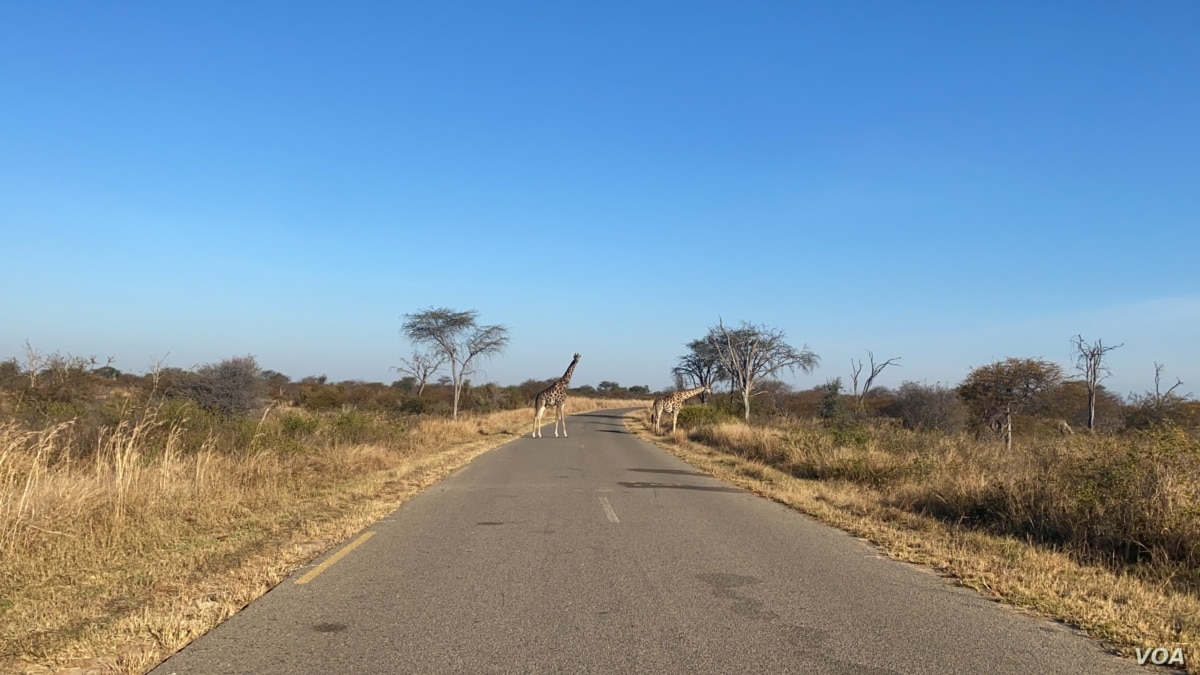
600	553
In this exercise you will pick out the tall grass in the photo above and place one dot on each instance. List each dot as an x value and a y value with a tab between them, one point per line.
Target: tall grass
1124	499
1102	532
124	538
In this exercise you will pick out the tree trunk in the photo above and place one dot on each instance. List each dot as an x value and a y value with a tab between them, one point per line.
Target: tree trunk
1008	428
1091	407
746	402
457	378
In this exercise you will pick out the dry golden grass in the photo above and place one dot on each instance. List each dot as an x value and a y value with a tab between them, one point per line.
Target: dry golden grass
113	561
899	490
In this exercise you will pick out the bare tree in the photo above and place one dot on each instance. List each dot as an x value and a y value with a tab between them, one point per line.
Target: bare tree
1158	406
156	372
457	337
701	367
34	360
856	371
1160	396
749	353
1089	360
64	369
422	366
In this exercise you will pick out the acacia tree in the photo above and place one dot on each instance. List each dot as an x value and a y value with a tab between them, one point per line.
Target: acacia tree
699	368
993	393
422	366
752	352
458	338
1089	360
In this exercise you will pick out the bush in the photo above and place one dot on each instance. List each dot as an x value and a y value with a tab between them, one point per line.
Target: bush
232	387
352	426
321	396
848	431
701	415
414	406
927	407
10	375
832	408
297	424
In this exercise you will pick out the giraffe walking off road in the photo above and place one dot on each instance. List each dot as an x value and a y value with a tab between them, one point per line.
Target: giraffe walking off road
671	403
556	396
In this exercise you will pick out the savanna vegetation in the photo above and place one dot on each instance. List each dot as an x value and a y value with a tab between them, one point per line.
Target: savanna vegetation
139	510
1048	492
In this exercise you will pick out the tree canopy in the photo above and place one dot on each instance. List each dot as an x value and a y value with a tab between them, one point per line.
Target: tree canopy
752	352
700	367
456	336
993	393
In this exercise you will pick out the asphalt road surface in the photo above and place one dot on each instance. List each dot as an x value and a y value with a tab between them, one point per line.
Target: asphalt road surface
599	553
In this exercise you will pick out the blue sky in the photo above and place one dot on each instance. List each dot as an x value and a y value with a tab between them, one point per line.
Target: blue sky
948	182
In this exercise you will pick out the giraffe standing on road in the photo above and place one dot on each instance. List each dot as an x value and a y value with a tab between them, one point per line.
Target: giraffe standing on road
556	396
671	403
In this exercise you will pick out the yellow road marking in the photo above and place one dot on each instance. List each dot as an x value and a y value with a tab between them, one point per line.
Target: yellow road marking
312	574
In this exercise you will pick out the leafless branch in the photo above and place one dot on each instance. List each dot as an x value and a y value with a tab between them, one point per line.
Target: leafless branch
1089	360
156	371
876	369
33	363
422	366
751	352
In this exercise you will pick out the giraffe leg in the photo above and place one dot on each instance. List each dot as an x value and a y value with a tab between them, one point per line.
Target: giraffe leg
562	411
537	421
674	419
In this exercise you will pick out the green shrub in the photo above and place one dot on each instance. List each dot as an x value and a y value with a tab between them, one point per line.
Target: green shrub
850	432
297	424
352	426
700	415
413	406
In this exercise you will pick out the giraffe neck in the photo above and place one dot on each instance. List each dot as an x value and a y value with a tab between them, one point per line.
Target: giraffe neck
690	393
567	375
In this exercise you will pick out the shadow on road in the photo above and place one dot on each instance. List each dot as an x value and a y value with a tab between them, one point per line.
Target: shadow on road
677	472
676	486
620	416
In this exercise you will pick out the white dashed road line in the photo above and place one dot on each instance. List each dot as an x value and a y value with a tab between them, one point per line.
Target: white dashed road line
608	510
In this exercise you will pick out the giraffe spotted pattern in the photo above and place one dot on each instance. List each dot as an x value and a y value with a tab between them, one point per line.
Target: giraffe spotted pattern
553	396
671	403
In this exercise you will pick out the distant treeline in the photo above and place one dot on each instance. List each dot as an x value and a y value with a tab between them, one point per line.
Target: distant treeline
60	387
